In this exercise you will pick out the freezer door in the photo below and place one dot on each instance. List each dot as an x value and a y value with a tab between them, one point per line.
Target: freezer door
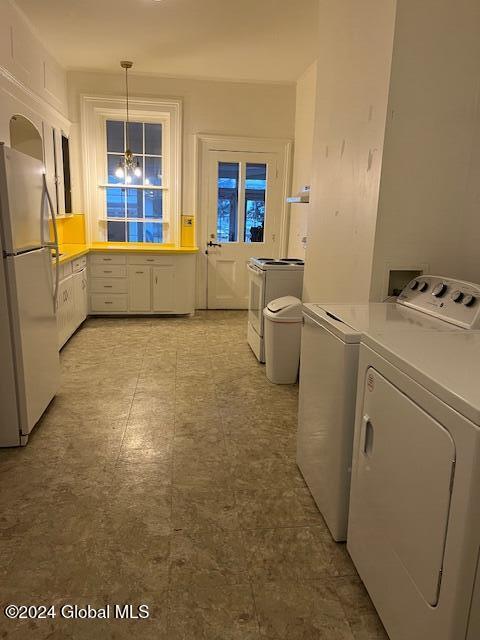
34	330
21	202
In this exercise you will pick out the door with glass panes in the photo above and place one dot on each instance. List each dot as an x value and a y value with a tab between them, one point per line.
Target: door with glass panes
244	205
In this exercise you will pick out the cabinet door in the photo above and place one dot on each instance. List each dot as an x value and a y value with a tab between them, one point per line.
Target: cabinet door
79	298
65	310
139	289
84	295
163	285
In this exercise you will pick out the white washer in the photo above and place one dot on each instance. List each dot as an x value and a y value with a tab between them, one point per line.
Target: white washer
414	525
328	377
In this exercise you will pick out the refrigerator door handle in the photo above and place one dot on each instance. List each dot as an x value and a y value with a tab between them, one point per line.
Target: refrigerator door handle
54	244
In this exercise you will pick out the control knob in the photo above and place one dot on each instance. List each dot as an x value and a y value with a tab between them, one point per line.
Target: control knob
457	296
469	300
439	290
422	285
413	285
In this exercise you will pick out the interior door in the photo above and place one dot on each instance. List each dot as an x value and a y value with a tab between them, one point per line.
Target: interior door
244	204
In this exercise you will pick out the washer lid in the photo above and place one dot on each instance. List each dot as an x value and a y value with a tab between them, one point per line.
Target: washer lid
349	321
446	363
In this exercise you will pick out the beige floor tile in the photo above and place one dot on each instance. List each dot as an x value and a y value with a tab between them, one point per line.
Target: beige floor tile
204	510
300	611
269	508
266	473
207	558
294	554
220	613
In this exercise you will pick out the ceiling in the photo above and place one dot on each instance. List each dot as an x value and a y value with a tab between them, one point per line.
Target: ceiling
257	40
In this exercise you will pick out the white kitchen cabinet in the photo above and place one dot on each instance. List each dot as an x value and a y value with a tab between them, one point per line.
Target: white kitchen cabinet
65	310
142	283
139	288
80	297
163	289
72	299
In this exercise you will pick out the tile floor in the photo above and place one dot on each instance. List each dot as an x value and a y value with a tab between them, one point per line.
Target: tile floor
164	473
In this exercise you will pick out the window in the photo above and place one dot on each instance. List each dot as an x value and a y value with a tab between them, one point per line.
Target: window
135	205
241	183
148	211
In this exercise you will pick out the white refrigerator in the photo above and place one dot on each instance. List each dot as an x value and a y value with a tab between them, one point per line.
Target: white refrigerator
30	369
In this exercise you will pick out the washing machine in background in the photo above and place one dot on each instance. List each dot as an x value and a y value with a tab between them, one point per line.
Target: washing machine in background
414	524
328	376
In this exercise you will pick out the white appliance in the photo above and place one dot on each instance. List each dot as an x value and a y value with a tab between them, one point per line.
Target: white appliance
328	377
269	279
28	329
414	527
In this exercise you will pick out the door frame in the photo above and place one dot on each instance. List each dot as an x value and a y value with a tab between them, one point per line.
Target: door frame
205	143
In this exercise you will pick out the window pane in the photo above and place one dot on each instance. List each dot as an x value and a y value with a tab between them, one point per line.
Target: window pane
153	203
153	139
116	231
227	208
255	186
131	178
115	203
153	171
135	231
134	203
135	137
112	167
115	141
153	232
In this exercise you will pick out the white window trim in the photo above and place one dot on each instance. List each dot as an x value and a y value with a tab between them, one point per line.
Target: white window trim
95	110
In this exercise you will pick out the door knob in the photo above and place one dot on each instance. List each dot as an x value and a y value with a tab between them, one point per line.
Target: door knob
213	244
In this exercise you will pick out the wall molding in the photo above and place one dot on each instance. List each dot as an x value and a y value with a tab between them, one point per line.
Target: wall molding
33	98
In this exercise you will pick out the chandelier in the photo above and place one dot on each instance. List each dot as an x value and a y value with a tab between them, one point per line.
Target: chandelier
127	166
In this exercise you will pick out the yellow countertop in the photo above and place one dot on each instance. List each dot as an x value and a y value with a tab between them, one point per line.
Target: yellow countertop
72	251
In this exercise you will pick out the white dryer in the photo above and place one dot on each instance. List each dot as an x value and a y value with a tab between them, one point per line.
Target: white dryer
414	524
328	377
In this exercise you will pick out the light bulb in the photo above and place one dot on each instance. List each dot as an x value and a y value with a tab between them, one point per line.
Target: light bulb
147	181
138	171
128	179
119	171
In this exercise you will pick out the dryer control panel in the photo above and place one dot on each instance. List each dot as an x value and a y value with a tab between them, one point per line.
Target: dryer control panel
451	300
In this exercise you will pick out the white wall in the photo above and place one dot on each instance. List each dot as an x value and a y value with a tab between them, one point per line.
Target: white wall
302	163
32	83
429	197
241	109
355	45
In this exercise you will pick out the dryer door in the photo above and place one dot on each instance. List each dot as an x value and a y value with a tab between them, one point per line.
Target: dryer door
404	476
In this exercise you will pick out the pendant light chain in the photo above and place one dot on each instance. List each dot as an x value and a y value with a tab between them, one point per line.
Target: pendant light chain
128	167
126	88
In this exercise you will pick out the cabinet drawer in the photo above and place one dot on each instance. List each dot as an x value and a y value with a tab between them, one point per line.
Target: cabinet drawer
145	259
64	270
108	258
108	271
108	285
79	264
108	302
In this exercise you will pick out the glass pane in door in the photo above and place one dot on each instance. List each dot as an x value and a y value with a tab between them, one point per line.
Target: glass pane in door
255	187
227	207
